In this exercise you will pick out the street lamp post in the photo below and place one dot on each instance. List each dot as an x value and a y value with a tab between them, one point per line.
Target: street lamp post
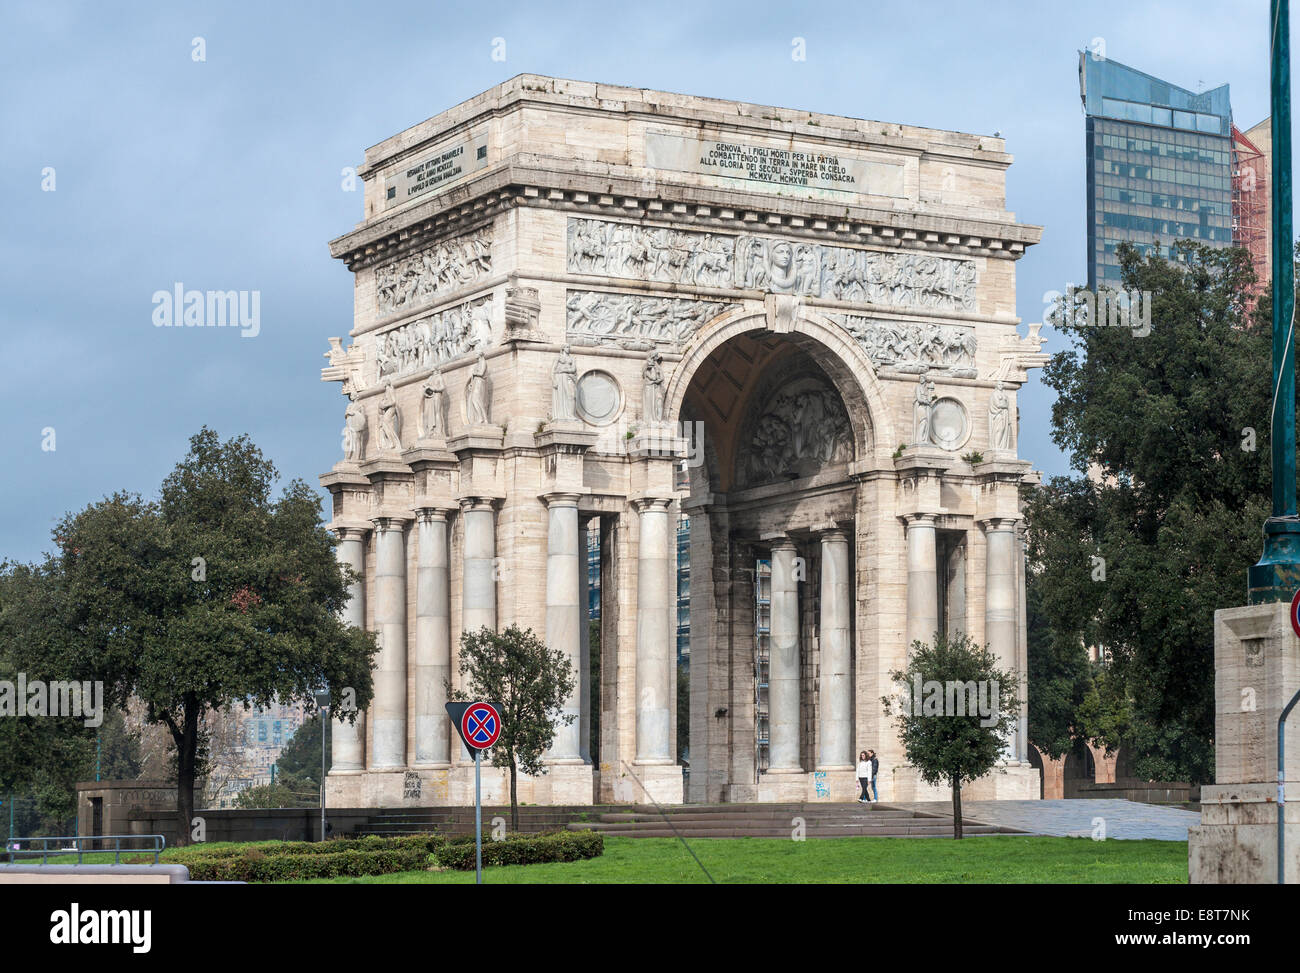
322	705
1277	575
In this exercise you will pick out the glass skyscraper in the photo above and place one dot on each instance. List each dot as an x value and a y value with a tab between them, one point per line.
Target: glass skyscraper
1159	165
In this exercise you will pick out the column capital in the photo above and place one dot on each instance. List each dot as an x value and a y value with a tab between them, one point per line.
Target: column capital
919	519
833	535
779	541
649	504
992	524
468	503
390	522
351	532
560	498
433	512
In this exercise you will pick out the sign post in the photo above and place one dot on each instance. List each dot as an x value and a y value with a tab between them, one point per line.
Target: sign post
479	726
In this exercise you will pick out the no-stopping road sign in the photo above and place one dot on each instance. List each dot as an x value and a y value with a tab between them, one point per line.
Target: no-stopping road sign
478	723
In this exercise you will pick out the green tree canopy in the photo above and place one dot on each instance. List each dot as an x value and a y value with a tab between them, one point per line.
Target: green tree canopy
530	683
946	735
215	593
1135	558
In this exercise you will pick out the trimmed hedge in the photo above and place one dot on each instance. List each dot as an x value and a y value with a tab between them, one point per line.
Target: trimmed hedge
522	849
183	856
255	867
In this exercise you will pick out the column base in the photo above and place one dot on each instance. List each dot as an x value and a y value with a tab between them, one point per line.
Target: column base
660	781
780	787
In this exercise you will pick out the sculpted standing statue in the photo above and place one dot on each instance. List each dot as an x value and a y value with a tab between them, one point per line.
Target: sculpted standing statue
653	398
390	421
999	419
354	431
476	393
564	388
921	410
431	405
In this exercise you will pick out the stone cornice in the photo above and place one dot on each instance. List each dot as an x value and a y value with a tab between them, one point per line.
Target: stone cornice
610	193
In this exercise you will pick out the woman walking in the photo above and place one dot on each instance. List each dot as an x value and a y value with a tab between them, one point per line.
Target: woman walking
864	777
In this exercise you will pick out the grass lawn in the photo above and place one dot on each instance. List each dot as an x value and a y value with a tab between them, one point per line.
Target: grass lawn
984	858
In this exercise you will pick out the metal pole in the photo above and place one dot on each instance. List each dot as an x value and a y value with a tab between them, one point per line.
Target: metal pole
1281	788
322	774
1277	574
478	822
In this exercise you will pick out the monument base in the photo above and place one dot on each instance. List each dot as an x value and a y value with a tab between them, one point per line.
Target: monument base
562	784
1256	672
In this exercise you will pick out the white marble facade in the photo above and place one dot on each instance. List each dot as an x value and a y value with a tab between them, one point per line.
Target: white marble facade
750	298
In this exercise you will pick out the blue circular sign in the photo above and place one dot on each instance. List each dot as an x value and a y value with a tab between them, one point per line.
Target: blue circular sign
480	725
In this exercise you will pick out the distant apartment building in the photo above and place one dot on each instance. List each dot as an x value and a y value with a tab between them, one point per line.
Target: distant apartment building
1160	165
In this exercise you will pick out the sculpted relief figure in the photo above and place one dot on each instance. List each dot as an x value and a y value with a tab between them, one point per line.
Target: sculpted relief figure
354	431
431	393
390	421
564	388
999	419
653	381
435	339
803	429
477	405
419	277
627	321
921	410
649	253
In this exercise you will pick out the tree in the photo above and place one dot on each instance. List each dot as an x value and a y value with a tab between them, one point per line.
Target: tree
299	763
1173	427
216	593
1060	674
531	683
955	712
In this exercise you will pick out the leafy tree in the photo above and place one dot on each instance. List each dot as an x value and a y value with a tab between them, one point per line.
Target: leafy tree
299	763
1060	674
274	795
530	682
213	594
943	733
1173	427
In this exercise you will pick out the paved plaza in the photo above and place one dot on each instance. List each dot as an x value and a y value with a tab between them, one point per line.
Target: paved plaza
1077	818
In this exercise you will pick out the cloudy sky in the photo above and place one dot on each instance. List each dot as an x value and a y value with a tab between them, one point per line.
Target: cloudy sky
225	174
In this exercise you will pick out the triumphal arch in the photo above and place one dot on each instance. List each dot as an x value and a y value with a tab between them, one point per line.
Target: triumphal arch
605	339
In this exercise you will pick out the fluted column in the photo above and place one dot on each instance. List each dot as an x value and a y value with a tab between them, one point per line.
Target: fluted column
835	723
388	712
564	614
432	640
346	741
479	584
653	635
783	671
1000	599
922	580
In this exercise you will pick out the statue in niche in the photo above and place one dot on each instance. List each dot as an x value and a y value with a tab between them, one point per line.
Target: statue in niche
653	397
476	393
390	421
431	393
921	409
564	388
999	419
354	431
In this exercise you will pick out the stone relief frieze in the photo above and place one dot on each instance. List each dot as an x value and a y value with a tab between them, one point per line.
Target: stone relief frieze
649	253
779	266
802	429
437	338
635	322
420	277
913	347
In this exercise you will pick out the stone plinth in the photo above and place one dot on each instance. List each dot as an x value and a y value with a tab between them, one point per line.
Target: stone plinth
1256	672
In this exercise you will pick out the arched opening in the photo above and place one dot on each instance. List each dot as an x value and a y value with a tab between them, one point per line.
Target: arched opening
780	424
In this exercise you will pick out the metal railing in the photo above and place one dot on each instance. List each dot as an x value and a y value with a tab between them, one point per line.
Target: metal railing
75	844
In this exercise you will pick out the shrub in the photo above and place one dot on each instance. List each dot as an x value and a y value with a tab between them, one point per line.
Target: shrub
183	856
299	867
522	849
